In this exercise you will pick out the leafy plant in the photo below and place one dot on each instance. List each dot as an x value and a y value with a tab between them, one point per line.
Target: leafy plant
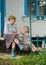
27	59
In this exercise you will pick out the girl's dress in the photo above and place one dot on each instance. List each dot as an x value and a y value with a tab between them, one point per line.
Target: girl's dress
8	33
26	42
25	39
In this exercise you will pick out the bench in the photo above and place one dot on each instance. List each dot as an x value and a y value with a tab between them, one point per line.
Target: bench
2	44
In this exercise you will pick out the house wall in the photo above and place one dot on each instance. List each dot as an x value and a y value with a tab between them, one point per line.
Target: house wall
16	8
38	27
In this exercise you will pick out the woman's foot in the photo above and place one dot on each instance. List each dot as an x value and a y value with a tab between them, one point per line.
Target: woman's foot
13	54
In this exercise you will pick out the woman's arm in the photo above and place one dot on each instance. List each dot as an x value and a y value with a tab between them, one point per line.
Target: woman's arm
5	29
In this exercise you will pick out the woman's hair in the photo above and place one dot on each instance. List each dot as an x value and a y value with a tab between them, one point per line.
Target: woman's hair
11	17
27	28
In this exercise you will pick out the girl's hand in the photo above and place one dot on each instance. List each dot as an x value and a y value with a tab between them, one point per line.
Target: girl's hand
28	38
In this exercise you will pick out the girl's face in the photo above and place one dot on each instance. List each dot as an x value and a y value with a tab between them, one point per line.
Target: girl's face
26	30
12	21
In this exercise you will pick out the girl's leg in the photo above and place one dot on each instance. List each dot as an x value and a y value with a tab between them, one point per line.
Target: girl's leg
33	48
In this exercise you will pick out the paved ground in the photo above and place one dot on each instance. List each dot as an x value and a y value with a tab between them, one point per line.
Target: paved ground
6	56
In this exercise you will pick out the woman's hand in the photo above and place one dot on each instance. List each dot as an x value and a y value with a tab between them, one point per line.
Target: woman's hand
15	33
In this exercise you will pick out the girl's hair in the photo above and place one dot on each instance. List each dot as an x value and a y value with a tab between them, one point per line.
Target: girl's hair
27	28
11	17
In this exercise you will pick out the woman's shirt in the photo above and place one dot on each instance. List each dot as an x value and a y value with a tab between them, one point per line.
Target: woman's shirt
9	29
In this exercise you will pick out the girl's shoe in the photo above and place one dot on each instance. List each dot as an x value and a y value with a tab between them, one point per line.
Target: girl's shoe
21	47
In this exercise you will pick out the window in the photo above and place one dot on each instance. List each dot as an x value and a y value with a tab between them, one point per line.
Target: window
32	8
41	7
44	10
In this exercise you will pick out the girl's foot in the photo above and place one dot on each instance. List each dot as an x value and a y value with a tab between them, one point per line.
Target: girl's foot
34	50
38	49
21	47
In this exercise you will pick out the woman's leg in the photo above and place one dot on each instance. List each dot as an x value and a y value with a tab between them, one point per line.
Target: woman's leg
17	41
14	46
13	49
19	44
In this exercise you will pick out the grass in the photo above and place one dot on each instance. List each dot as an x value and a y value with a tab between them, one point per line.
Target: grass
26	59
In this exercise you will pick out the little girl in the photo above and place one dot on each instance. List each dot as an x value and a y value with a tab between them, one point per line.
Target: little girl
25	42
10	33
26	39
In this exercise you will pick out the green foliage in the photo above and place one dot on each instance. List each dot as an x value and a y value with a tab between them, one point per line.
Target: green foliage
28	59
